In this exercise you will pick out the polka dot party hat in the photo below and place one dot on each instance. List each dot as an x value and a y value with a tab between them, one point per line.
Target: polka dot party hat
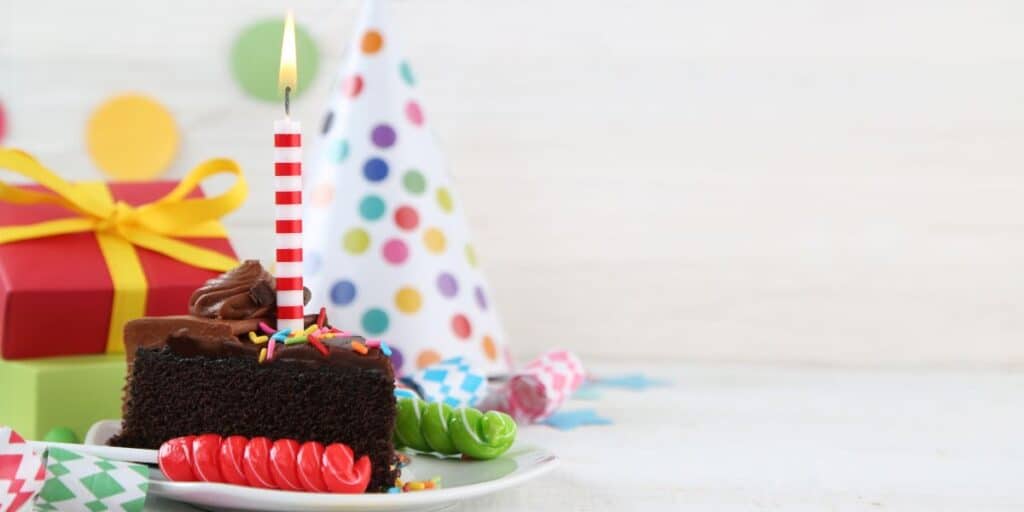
387	247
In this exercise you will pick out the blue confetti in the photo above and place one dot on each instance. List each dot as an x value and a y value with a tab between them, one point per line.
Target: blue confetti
587	391
633	382
568	420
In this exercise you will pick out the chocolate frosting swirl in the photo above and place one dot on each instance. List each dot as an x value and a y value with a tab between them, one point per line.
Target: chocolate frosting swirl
246	291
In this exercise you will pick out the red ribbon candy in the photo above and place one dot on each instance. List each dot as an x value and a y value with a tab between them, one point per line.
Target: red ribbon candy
259	462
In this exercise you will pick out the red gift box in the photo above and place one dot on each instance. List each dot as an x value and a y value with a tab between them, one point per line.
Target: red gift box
56	292
77	261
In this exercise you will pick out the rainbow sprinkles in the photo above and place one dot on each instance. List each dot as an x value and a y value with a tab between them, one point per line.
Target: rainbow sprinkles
314	335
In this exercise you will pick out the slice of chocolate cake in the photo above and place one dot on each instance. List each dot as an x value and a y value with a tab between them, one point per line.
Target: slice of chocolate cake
204	373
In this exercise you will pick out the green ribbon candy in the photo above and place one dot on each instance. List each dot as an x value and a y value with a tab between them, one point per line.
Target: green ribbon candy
439	428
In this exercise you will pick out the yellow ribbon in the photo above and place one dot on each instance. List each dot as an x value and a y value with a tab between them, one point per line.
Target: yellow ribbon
120	227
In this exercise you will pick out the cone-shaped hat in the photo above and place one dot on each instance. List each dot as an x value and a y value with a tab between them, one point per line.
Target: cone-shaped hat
387	247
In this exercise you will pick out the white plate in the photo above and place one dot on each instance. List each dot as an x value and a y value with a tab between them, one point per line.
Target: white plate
460	480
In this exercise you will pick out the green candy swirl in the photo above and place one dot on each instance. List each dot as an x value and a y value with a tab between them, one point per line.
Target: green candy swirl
437	427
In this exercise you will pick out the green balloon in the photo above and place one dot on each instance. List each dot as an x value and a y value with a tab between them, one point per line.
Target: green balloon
256	57
61	435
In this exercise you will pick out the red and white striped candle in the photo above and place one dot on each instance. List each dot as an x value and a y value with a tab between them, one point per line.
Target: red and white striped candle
288	226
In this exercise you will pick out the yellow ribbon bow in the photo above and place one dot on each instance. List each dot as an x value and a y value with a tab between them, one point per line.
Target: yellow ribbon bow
120	227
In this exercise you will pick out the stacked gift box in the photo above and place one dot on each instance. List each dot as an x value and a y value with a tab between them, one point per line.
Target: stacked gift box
72	272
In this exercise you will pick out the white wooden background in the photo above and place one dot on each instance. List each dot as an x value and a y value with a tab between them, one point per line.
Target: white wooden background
801	181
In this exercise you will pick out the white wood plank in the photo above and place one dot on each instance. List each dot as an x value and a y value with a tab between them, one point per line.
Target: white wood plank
767	438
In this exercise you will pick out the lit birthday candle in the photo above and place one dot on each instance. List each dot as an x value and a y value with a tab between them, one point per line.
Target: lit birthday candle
288	194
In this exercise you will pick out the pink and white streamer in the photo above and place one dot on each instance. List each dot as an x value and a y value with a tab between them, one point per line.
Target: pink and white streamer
540	388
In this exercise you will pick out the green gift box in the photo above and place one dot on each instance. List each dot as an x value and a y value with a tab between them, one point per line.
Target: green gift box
37	395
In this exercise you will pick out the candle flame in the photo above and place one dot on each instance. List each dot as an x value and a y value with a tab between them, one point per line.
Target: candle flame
288	75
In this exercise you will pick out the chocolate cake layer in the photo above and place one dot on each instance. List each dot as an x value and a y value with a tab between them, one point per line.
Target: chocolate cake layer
174	395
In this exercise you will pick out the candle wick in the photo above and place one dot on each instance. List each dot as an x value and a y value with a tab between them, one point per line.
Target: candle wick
287	101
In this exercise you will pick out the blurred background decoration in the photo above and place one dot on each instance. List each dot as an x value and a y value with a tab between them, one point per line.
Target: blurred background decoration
714	180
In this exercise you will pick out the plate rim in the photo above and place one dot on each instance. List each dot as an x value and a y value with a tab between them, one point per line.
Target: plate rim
549	461
546	461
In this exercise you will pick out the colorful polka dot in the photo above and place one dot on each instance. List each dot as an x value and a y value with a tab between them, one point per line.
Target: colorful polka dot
372	207
447	285
408	300
328	122
460	326
256	59
341	151
323	194
405	70
395	251
470	255
433	238
414	182
375	321
397	359
427	358
375	169
132	137
383	136
356	241
414	113
372	42
351	86
444	200
481	299
490	349
343	292
406	218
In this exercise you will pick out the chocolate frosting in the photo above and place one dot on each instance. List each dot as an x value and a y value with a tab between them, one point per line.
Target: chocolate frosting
223	313
244	292
339	351
200	337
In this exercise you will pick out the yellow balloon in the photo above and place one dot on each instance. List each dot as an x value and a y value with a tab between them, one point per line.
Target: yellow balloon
132	137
